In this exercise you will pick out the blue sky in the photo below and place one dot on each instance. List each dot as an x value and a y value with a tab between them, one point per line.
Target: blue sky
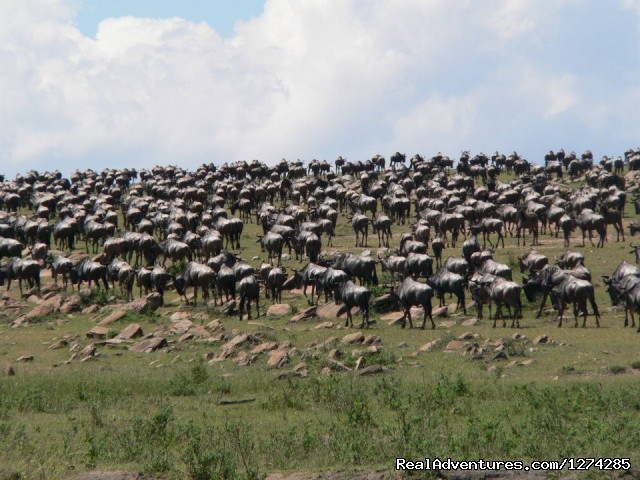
123	83
221	15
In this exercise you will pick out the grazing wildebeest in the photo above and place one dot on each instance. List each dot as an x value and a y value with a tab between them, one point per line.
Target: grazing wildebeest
543	281
532	262
578	292
361	267
89	271
360	224
413	293
21	269
382	226
488	226
589	221
273	243
328	281
275	280
352	295
437	246
457	265
60	266
175	250
10	248
195	275
492	289
249	290
445	281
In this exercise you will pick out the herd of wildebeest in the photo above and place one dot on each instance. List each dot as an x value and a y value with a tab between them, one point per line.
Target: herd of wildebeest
195	219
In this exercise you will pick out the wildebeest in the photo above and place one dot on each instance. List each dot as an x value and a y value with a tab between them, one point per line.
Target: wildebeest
588	221
490	289
175	250
195	275
419	265
445	281
413	293
532	262
226	282
308	276
120	272
570	260
578	292
527	221
275	280
360	224
89	271
60	266
272	243
437	246
457	265
393	264
328	281
382	226
21	269
358	266
488	226
248	291
10	248
352	295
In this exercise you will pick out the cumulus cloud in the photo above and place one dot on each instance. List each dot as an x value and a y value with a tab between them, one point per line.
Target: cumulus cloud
313	79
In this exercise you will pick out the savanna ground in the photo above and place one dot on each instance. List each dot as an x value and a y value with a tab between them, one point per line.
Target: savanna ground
165	413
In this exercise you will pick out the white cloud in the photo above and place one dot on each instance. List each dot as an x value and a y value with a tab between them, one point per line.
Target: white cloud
305	79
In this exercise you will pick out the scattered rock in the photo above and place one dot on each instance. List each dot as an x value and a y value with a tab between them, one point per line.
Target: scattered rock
526	362
440	312
325	371
330	310
500	355
9	371
448	324
45	308
278	359
72	305
470	322
265	347
177	316
336	365
279	310
372	340
455	345
25	358
305	314
133	330
113	317
372	369
229	308
150	345
91	309
466	336
393	318
356	337
214	326
98	332
334	354
324	325
541	339
427	347
59	344
148	304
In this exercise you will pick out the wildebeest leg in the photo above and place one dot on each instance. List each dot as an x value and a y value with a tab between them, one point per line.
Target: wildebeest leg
241	307
544	300
596	313
408	315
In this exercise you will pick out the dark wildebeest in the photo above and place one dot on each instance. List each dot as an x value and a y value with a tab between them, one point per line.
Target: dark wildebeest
437	246
413	293
120	272
226	282
249	290
328	281
445	281
60	266
308	276
578	292
570	260
418	265
360	224
19	269
89	271
382	226
272	243
10	248
361	267
488	226
175	250
499	291
195	275
589	221
351	295
275	280
393	264
532	262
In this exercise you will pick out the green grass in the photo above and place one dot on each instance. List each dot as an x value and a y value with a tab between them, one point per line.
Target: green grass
160	413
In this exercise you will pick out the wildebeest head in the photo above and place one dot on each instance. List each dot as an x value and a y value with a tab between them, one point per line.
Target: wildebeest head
532	288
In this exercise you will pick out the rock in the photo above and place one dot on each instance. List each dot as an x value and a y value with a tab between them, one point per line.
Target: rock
113	317
470	322
34	299
334	354
384	303
278	359
72	305
243	358
132	330
229	308
526	362
150	345
264	347
336	365
177	316
91	309
356	337
372	369
98	332
330	310
148	304
59	344
448	324
516	336
455	345
181	326
500	355
427	347
305	314
279	310
325	371
541	339
9	371
25	358
393	318
235	341
214	326
45	308
440	312
324	325
359	363
372	340
466	336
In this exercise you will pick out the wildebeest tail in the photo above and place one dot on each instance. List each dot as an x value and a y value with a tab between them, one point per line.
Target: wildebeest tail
375	275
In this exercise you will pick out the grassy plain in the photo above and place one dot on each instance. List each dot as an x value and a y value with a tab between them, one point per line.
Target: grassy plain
163	413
